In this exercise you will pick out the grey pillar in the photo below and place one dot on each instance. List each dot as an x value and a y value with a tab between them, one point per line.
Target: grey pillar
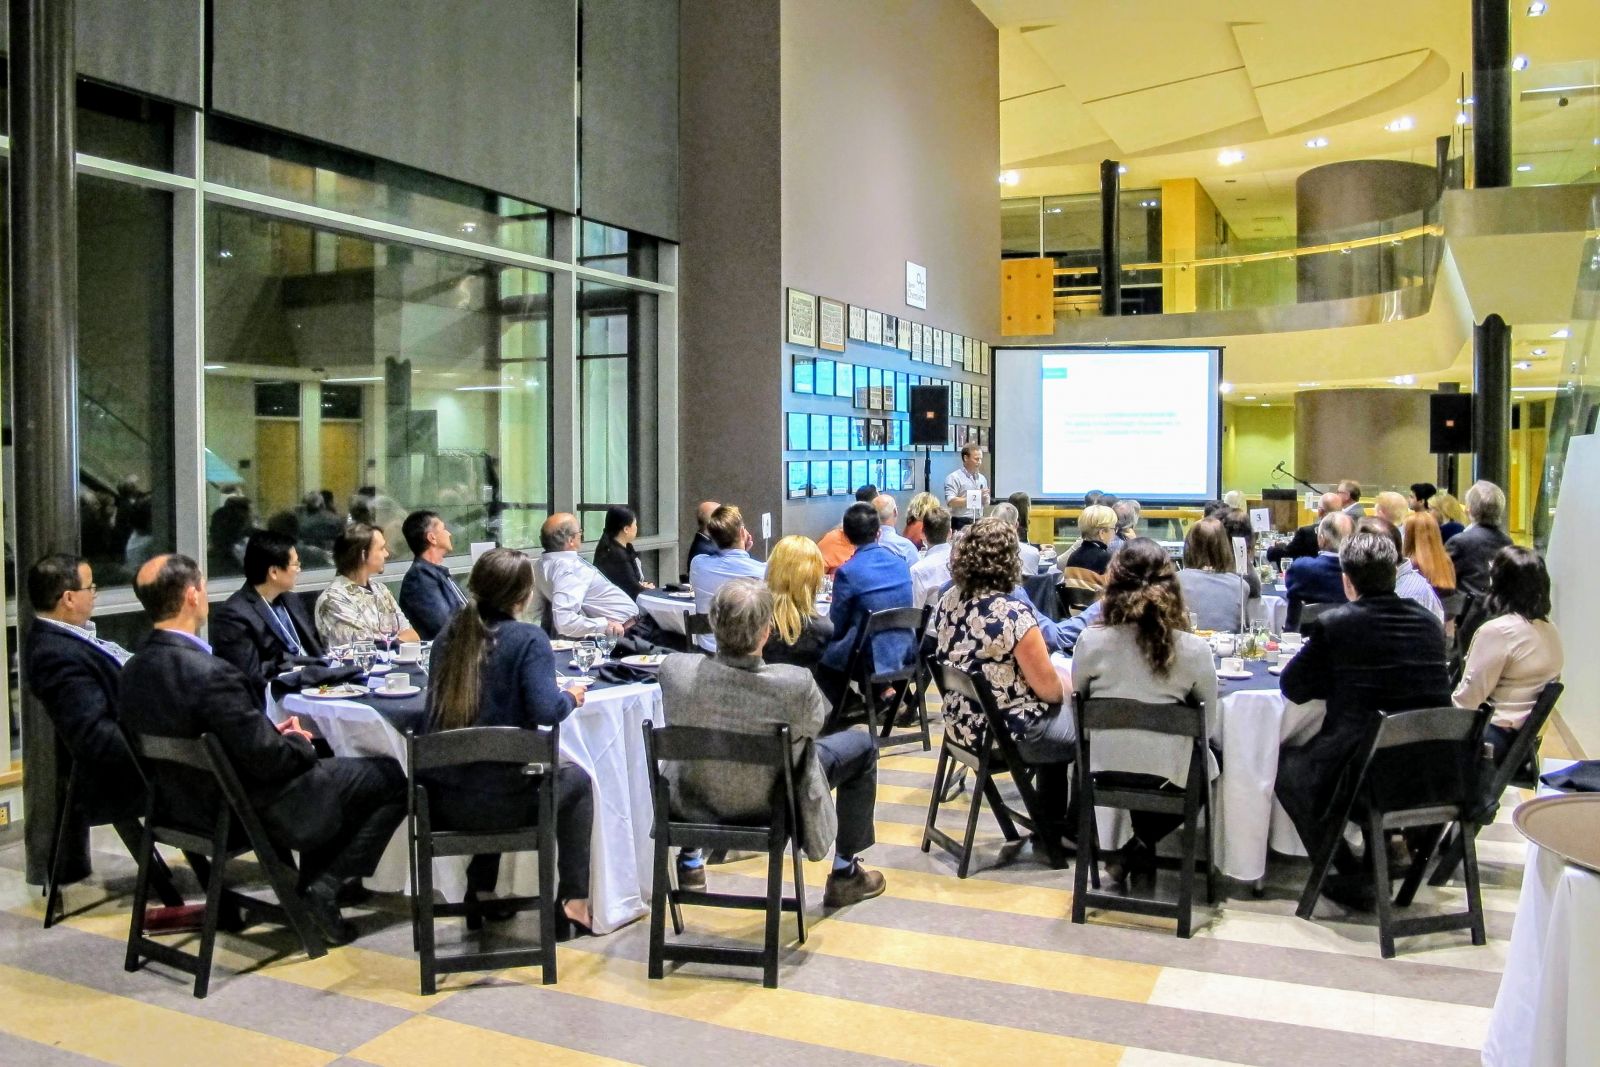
1491	403
43	217
1110	227
1491	93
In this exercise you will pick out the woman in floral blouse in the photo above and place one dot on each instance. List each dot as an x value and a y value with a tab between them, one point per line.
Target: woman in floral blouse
979	626
358	607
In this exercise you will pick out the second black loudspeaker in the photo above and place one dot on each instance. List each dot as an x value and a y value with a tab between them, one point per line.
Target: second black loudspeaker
1449	423
930	415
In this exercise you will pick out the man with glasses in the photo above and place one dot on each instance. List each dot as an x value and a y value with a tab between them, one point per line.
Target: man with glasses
264	629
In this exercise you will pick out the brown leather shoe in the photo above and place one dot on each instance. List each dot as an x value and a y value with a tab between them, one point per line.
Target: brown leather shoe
852	886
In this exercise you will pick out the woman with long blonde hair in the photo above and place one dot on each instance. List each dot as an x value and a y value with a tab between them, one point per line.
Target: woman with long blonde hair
1449	513
1424	547
919	507
794	574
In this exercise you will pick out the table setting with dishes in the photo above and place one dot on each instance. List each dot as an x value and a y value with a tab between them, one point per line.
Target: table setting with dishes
365	699
671	606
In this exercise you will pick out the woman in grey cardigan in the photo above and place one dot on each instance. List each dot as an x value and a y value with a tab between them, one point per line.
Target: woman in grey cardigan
1141	649
1210	587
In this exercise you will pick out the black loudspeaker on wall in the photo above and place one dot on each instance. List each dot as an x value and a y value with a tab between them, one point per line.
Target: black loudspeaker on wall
1449	423
930	415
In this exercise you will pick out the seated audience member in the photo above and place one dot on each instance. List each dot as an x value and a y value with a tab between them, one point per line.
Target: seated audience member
1517	651
875	579
1349	491
966	489
491	670
616	558
1317	579
1234	498
980	626
569	594
358	607
1304	541
1141	649
1377	653
319	525
1097	525
1421	494
1024	505
1392	507
931	573
794	574
338	813
429	596
702	540
888	537
1449	513
1424	550
287	523
919	507
1236	524
736	691
1128	513
1210	586
1473	549
1409	584
141	543
836	547
264	629
1027	555
731	560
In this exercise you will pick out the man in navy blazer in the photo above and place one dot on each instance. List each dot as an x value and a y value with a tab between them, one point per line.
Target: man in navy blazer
264	628
1317	579
429	596
74	674
874	579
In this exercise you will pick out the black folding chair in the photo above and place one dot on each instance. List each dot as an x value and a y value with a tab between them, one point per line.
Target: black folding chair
1309	612
689	744
206	755
994	753
534	751
1368	801
1075	599
1042	590
910	680
1519	767
1098	715
696	624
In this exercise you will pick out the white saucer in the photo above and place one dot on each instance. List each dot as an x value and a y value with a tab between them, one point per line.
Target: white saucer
398	662
408	691
379	668
1235	676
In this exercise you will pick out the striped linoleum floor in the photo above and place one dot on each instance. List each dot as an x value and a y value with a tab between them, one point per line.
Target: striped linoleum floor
939	970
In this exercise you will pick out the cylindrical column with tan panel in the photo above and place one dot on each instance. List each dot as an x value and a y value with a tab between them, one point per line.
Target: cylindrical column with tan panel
1353	199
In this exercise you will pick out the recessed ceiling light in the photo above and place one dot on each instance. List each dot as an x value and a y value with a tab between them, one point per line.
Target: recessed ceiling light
1400	125
1461	118
1149	203
1317	142
469	227
1404	379
1520	63
351	381
1230	156
1540	351
216	366
1536	9
482	388
1009	177
225	254
1052	211
1562	334
1524	365
1122	168
1249	398
1225	387
1265	404
1307	385
1524	167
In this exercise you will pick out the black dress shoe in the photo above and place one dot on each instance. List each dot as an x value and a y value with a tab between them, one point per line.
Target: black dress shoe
1351	893
321	901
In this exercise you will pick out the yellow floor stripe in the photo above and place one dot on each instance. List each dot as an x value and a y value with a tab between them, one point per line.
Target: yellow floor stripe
869	1029
426	1041
132	1034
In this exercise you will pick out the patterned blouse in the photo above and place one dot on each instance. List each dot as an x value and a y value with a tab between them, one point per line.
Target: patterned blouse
347	612
984	632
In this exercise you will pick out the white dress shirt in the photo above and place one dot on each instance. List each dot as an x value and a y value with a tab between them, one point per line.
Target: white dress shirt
1030	558
974	487
929	575
891	539
87	633
710	571
581	599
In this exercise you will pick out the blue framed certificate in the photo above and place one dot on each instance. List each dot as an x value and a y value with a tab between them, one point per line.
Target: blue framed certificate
799	438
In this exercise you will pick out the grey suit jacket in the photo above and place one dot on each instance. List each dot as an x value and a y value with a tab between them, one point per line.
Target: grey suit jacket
745	695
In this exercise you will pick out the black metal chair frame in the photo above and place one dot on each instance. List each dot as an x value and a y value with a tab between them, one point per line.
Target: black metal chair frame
696	624
1075	600
1309	612
995	754
687	744
207	755
535	751
1103	714
911	680
1523	751
1393	730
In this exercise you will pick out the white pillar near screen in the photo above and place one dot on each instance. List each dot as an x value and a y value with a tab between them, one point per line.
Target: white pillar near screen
1575	587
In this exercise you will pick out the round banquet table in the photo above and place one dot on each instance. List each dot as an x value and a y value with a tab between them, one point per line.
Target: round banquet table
671	613
603	737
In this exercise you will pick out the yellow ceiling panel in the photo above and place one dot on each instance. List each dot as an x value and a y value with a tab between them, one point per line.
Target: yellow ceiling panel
1051	121
1151	52
1168	113
1283	49
1022	70
1287	104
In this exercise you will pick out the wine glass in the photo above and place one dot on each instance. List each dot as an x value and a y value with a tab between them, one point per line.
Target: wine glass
606	643
587	656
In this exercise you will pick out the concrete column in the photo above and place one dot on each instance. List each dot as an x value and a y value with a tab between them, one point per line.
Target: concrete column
1491	94
1110	228
1491	403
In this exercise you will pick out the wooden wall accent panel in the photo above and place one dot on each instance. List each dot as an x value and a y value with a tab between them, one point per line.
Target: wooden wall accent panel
1027	297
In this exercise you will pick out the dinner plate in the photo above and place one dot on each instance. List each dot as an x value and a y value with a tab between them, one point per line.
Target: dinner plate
681	596
398	662
1277	668
1235	676
379	668
408	691
647	662
335	692
574	679
1567	825
563	645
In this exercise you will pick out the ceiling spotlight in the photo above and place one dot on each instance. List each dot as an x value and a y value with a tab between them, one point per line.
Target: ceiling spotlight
1461	118
1524	365
1404	379
1400	125
469	227
1229	156
1562	334
1225	388
1009	177
216	366
1520	63
1317	142
1149	203
1122	168
1265	404
1540	351
1307	385
1536	9
1249	398
1524	168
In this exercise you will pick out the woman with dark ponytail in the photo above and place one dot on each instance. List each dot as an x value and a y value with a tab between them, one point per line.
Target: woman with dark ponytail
1141	649
491	670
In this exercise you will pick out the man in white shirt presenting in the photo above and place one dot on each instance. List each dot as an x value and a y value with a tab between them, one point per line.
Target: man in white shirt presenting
931	573
966	490
580	601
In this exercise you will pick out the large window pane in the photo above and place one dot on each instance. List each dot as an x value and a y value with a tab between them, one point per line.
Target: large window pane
616	367
385	377
618	251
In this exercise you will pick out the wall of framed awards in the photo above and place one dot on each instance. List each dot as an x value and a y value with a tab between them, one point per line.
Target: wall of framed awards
847	397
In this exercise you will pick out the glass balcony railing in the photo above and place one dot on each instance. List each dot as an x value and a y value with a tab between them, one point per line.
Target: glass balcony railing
1577	401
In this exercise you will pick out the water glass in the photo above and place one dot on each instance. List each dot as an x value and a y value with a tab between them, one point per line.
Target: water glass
587	656
606	643
1194	621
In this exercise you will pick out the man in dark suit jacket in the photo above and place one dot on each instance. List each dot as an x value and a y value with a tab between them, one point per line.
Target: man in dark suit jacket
429	596
74	674
874	579
1317	579
264	629
1304	541
338	813
1378	653
702	537
1473	549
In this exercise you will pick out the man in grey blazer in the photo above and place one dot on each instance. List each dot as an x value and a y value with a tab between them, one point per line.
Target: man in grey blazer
736	691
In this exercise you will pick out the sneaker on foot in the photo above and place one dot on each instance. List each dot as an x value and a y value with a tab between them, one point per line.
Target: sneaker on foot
852	886
691	879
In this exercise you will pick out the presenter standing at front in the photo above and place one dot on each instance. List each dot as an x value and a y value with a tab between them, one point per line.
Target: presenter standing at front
966	490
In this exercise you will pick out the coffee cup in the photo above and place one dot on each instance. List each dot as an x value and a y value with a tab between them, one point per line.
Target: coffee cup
1289	641
410	651
1232	665
1225	644
394	680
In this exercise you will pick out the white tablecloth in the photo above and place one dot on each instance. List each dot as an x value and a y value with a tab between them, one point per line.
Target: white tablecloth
669	613
603	737
1269	611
